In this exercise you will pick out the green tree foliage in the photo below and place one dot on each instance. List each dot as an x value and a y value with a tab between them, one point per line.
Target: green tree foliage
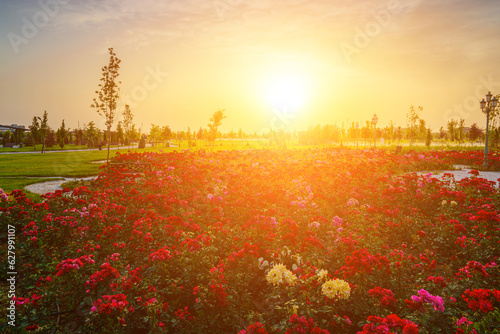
166	133
35	131
154	134
119	133
412	119
199	134
91	134
6	137
128	123
50	138
428	138
142	142
213	126
62	134
422	130
475	132
44	127
460	130
452	128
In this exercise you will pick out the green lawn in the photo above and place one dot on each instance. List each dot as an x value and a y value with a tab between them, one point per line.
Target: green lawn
39	148
9	184
15	168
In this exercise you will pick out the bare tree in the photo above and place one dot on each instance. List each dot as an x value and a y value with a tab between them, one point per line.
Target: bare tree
107	95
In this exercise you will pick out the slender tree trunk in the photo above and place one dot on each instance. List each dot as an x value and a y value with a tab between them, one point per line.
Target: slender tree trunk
43	143
109	141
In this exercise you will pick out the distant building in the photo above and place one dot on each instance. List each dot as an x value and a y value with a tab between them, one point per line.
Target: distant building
12	127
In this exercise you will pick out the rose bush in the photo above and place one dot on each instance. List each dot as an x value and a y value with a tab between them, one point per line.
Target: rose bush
290	241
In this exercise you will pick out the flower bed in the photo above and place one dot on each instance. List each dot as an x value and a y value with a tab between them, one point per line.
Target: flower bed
309	241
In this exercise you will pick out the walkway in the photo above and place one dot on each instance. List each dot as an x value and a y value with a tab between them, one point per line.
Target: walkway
51	186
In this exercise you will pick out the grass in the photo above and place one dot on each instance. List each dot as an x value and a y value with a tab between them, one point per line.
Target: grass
39	148
79	164
16	168
9	184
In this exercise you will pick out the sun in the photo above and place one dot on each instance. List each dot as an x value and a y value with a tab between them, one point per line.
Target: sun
286	91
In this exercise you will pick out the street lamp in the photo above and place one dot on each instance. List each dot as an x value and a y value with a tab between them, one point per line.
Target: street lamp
488	106
374	123
357	133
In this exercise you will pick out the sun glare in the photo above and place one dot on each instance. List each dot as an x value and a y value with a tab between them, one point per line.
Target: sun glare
286	91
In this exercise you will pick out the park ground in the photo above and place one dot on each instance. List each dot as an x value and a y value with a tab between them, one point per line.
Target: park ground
18	170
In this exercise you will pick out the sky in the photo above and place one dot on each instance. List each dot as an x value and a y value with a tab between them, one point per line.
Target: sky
269	64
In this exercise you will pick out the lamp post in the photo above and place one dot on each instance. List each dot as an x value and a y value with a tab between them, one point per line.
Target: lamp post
357	133
488	106
374	123
43	134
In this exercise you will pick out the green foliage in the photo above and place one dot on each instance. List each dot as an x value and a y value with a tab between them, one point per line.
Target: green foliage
213	126
428	138
489	324
142	142
62	134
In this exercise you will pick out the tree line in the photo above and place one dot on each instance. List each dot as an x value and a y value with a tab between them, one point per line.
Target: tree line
106	101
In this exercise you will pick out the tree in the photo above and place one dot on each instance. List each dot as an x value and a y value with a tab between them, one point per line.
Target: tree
142	142
442	133
154	133
107	95
127	123
79	137
62	133
134	133
6	137
428	138
213	126
119	133
412	118
91	133
50	138
422	131
199	134
366	132
460	135
166	133
35	131
44	126
452	124
475	133
398	134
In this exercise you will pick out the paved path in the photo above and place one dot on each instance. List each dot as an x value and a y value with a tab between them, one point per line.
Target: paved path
51	186
464	172
83	150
